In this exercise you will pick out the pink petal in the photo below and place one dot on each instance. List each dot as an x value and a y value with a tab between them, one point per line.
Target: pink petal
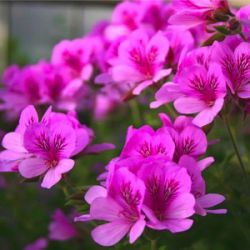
216	211
176	226
206	116
105	208
111	233
14	141
137	230
51	178
205	163
97	148
189	105
160	45
33	167
187	19
210	200
127	74
181	207
27	117
140	87
161	74
244	91
72	88
83	218
95	192
87	72
64	166
167	93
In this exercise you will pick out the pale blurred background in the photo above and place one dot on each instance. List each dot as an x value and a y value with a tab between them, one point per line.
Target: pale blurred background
29	29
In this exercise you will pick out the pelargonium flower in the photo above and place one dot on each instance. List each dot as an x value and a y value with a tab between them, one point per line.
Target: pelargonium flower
190	13
39	244
197	90
22	86
168	203
188	138
75	55
120	207
145	142
243	14
126	17
235	66
45	148
204	202
141	60
61	228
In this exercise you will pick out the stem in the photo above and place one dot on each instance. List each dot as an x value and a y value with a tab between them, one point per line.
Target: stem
235	146
153	245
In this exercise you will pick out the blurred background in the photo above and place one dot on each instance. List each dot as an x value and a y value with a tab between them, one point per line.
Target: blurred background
28	32
30	28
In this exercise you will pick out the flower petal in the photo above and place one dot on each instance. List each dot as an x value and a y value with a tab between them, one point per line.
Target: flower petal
33	167
95	192
111	233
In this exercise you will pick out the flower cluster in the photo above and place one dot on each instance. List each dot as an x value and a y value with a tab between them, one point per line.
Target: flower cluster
156	182
45	148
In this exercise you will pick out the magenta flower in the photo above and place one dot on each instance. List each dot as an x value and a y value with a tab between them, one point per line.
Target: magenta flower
244	16
140	61
204	202
145	142
235	66
126	17
21	88
188	138
168	203
197	91
121	208
75	55
39	244
61	228
45	147
190	13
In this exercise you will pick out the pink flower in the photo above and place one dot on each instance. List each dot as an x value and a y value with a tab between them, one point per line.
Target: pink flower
168	203
140	61
39	244
197	90
204	202
235	65
121	208
188	138
244	16
45	147
75	55
126	17
61	228
145	142
191	13
22	87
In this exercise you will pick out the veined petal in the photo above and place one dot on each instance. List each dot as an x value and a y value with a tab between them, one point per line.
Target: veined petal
14	141
208	115
105	208
95	192
141	86
189	105
210	200
33	167
137	230
111	233
64	166
51	178
181	207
